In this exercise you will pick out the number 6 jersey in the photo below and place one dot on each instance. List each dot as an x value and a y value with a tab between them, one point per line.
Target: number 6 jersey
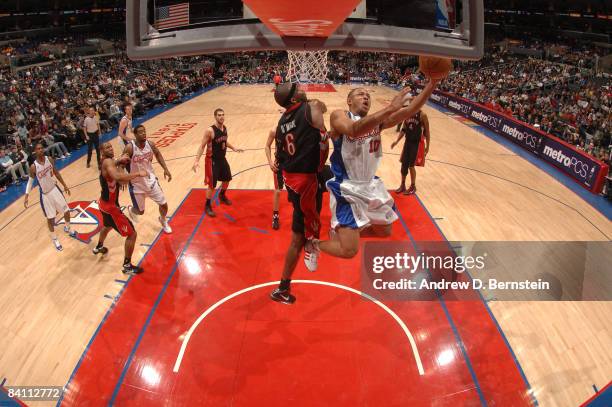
299	147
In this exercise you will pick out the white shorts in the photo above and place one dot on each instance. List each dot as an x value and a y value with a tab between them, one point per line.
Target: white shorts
53	203
360	204
138	195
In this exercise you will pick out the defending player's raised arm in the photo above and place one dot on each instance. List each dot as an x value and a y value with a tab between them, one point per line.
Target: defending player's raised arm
205	140
317	110
268	149
414	106
59	176
342	124
161	161
126	156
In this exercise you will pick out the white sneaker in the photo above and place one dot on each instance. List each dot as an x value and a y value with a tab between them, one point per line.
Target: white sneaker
62	157
311	254
133	215
165	226
71	233
57	245
68	154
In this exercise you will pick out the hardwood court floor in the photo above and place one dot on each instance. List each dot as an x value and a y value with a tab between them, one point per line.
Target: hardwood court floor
51	303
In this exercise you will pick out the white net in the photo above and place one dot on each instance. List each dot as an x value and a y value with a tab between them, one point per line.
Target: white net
307	66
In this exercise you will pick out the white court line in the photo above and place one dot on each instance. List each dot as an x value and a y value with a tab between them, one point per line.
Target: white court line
401	323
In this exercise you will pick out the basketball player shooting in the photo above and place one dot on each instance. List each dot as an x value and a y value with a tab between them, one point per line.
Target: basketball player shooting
52	200
359	201
140	154
111	175
216	166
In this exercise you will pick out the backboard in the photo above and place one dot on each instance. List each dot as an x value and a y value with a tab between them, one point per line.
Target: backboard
166	28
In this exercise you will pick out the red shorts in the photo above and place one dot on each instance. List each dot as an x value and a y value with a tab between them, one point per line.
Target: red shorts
303	193
112	217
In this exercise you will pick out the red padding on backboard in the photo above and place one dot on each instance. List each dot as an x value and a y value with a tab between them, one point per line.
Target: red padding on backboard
290	18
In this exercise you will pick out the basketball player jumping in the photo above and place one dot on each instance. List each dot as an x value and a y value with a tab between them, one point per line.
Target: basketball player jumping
140	152
52	200
412	128
110	177
216	166
360	204
301	149
126	132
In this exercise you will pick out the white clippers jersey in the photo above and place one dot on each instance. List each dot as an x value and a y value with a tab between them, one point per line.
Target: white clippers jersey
44	175
142	161
128	128
357	159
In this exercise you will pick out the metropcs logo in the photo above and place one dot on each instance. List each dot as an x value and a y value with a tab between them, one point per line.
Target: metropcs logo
485	118
459	106
580	168
526	138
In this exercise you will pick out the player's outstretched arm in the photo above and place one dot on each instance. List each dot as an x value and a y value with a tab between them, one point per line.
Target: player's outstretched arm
205	140
414	106
342	124
161	161
238	150
111	169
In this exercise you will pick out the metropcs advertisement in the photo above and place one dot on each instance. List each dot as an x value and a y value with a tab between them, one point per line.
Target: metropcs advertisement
584	169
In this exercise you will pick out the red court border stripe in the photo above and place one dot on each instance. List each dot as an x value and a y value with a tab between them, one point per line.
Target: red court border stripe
494	320
155	305
458	339
596	395
114	303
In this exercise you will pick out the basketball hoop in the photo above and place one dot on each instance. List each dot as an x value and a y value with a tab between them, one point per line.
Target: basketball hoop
307	66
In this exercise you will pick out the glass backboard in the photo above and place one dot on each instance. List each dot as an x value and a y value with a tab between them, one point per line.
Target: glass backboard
166	28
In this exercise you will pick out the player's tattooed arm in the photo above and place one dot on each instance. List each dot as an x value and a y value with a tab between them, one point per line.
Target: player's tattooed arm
59	177
161	161
205	140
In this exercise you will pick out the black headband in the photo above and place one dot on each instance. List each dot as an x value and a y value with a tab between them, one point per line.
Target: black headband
290	95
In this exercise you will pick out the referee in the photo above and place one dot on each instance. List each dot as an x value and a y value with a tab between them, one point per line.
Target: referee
91	129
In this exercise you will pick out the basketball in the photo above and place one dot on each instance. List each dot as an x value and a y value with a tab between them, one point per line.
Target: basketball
434	67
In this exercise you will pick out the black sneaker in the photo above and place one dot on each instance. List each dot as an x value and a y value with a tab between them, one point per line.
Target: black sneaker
275	222
210	212
282	296
100	250
131	269
224	200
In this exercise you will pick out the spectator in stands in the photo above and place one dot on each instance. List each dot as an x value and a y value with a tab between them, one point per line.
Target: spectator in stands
9	165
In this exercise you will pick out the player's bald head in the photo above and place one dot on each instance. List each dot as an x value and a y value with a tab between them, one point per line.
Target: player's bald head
287	94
